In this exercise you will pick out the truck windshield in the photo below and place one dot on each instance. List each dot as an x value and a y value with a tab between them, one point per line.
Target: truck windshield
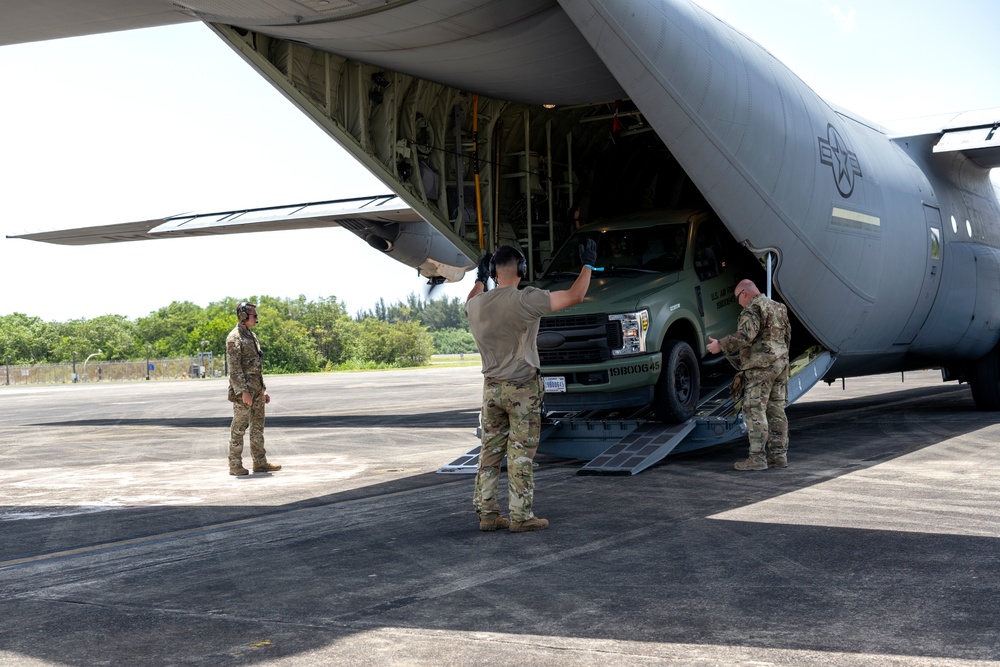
659	249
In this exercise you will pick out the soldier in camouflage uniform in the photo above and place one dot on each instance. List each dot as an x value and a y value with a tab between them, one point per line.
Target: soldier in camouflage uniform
504	323
247	392
759	350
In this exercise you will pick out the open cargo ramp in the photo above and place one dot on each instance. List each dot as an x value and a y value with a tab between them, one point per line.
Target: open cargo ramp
718	419
626	443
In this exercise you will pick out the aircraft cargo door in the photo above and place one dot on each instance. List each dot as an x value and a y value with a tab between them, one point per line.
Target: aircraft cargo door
932	277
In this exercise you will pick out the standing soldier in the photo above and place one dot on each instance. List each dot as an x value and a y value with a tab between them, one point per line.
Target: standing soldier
247	392
761	340
504	323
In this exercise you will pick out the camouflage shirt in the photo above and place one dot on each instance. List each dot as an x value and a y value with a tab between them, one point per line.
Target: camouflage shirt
246	371
762	334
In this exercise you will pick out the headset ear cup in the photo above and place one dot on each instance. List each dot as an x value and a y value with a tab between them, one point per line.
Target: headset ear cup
241	311
522	263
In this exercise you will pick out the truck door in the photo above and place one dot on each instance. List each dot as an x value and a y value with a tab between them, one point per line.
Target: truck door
716	280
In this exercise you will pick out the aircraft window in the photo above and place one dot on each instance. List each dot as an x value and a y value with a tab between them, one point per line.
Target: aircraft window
954	225
935	243
968	228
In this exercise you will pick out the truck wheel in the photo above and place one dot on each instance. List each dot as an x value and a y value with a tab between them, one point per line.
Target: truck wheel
676	394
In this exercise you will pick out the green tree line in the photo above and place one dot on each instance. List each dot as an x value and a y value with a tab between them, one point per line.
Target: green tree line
297	335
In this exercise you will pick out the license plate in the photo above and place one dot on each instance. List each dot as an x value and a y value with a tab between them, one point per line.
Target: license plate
554	384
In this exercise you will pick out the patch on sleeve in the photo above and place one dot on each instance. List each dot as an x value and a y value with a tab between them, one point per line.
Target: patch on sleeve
230	345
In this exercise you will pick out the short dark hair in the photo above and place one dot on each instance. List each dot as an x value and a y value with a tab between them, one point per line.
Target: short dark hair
507	255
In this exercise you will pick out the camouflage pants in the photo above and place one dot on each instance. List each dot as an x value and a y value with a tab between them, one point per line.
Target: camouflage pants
251	416
765	394
512	420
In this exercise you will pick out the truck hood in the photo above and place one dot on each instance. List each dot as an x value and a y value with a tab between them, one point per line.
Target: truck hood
618	293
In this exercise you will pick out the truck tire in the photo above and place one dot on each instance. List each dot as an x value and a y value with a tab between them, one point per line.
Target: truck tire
675	396
984	379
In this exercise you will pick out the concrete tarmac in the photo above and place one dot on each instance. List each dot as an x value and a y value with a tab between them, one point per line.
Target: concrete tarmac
124	541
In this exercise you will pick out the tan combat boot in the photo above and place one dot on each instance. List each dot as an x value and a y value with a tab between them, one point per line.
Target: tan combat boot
751	464
266	467
489	522
777	460
534	523
238	470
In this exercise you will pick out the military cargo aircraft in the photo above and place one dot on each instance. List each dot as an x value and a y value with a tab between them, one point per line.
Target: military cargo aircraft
491	119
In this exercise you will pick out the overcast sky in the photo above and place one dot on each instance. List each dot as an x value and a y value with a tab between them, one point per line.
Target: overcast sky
145	124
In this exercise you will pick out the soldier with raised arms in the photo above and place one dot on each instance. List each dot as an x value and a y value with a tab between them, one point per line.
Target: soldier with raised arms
504	323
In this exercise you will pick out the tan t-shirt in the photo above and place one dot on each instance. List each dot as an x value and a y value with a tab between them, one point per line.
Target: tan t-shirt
504	323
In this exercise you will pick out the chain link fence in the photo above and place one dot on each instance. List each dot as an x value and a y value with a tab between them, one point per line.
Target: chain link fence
110	371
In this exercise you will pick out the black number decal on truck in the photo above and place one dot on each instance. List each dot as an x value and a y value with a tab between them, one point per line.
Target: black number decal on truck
635	368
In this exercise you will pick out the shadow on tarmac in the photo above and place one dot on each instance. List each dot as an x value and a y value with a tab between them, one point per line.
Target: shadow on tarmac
639	559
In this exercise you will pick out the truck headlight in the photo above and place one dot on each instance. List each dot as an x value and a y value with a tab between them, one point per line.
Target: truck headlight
634	326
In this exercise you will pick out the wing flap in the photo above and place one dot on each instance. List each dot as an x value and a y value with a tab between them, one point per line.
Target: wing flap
381	209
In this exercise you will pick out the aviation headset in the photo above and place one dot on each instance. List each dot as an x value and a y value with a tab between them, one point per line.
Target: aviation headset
241	310
506	253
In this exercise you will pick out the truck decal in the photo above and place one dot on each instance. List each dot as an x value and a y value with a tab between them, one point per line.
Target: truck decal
635	368
719	305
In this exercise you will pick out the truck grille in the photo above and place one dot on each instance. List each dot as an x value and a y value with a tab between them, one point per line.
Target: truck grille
577	339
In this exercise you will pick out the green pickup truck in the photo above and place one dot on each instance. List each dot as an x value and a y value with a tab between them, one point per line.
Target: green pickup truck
667	284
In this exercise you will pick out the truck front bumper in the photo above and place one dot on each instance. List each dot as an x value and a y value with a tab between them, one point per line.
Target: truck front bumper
619	383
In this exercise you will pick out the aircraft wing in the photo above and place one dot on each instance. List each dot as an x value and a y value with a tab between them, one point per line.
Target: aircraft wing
55	19
335	213
973	133
976	134
385	222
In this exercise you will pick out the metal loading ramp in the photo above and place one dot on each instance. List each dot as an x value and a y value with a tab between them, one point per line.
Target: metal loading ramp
627	442
639	449
468	463
718	419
